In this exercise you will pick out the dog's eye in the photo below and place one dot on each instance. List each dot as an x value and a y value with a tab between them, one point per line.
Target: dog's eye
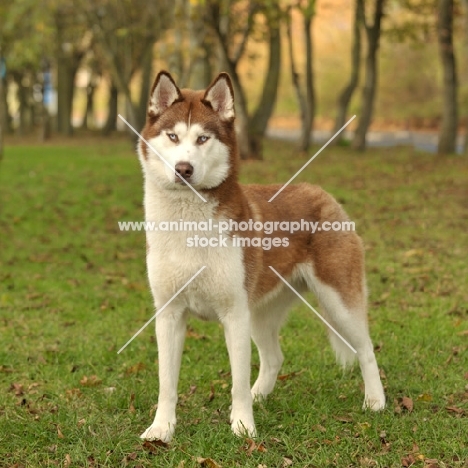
173	137
202	139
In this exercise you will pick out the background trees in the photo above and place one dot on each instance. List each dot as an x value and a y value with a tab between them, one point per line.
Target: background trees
102	57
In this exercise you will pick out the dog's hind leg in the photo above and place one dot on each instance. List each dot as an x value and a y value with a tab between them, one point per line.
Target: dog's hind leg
350	321
266	322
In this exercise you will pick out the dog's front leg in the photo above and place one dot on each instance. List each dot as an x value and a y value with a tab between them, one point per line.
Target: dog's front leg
237	332
170	334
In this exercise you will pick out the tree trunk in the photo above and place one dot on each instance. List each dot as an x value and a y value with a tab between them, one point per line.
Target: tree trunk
22	97
465	146
347	93
2	114
308	121
146	76
259	121
448	130
89	110
368	93
200	73
294	73
112	108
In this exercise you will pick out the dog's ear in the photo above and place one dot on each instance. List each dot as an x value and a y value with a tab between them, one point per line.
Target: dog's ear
220	97
163	94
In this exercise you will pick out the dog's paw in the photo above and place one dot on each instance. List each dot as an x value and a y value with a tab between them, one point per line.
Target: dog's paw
261	390
244	427
374	402
162	432
257	395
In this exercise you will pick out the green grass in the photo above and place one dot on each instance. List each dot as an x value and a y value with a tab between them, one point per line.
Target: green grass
73	290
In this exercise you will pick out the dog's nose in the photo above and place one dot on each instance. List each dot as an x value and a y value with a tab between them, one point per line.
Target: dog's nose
185	170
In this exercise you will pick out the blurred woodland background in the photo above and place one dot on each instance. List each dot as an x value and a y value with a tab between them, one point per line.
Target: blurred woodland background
69	67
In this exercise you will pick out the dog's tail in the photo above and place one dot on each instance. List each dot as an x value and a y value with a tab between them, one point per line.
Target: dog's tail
344	354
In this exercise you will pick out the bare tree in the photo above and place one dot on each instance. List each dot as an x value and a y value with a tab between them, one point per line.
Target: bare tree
233	30
448	129
346	95
373	33
305	94
2	108
73	40
125	36
465	146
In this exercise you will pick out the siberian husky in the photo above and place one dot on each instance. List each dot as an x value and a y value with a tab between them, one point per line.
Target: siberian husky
194	132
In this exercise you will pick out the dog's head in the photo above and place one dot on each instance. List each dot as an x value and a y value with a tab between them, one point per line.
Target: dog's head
193	131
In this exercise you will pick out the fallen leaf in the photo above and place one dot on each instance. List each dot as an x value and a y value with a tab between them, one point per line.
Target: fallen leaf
424	397
73	393
212	392
343	419
407	403
431	463
81	422
455	409
135	368
252	446
92	381
290	375
153	446
59	433
319	427
67	461
17	388
287	462
408	461
131	408
413	252
207	462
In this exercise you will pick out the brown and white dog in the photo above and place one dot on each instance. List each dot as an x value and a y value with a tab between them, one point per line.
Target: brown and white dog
194	132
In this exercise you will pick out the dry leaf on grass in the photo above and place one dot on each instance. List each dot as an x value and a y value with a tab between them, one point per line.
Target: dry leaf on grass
287	462
92	381
154	446
408	461
455	409
67	461
251	446
17	388
59	433
407	403
135	368
212	392
343	419
131	408
207	462
290	375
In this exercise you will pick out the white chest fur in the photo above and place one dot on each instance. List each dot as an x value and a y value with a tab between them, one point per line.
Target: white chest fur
172	260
